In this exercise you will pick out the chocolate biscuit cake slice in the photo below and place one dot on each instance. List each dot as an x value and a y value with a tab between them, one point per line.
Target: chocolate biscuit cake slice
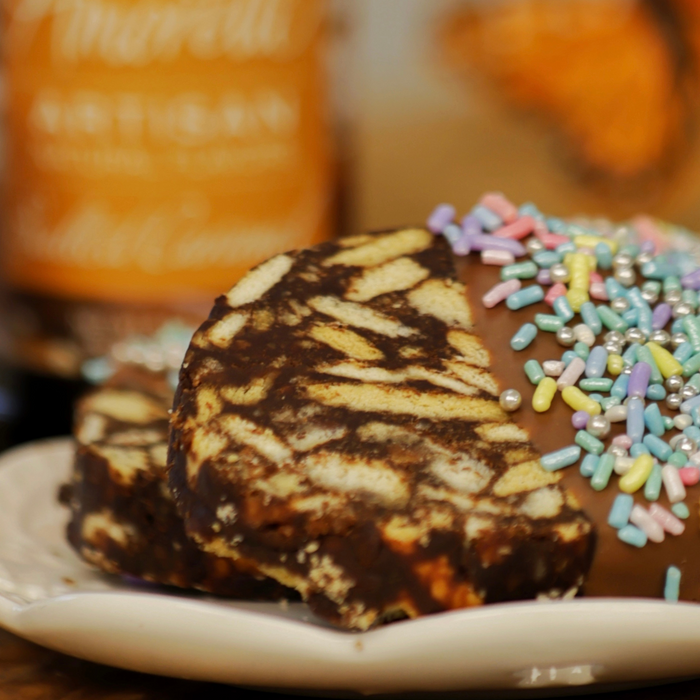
124	519
337	422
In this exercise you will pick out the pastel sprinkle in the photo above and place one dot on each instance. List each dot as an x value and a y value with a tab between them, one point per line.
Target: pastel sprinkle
525	297
500	292
667	364
637	475
497	257
658	447
649	526
680	510
603	472
442	215
588	465
632	535
675	489
620	511
571	374
524	336
560	458
669	522
544	394
672	585
579	419
534	371
652	488
575	398
589	442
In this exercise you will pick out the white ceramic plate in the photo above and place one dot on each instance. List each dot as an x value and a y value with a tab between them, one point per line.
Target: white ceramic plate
51	597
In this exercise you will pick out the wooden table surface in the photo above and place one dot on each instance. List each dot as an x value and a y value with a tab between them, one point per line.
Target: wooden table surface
30	672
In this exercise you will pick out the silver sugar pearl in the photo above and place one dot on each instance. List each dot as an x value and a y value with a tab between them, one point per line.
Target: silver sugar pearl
622	260
612	348
617	451
677	339
650	296
510	400
635	335
626	276
686	445
688	392
598	426
534	245
566	336
643	259
673	296
619	305
682	309
660	337
674	401
559	272
614	337
674	384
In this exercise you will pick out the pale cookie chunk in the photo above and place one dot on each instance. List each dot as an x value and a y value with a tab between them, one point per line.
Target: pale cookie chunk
359	447
124	519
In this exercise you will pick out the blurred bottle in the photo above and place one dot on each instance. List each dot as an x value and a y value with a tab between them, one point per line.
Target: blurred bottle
157	149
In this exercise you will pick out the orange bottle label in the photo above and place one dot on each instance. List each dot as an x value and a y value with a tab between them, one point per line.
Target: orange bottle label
160	148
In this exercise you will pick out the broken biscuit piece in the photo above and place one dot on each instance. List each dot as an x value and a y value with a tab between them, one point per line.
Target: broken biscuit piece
359	454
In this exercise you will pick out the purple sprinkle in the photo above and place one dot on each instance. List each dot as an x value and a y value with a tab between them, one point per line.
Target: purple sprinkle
661	316
482	241
442	215
648	247
471	225
580	419
639	380
691	280
543	276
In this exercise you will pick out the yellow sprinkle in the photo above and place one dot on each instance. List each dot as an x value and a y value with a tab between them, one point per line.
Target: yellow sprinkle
668	365
590	241
576	299
615	364
637	476
544	393
575	398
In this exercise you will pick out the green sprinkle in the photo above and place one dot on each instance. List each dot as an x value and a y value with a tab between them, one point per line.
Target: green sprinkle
610	319
582	350
671	283
534	371
603	471
694	381
690	296
589	443
644	355
680	510
691	327
548	322
522	271
609	402
547	258
678	459
692	365
668	423
652	487
596	384
523	337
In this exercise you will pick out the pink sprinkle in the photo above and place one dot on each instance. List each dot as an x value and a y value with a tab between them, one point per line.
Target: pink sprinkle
597	291
649	231
517	230
540	228
499	292
594	277
586	251
623	441
689	475
651	527
557	290
499	204
497	257
551	240
666	519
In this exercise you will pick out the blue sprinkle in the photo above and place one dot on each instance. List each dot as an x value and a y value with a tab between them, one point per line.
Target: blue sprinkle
645	321
673	584
630	317
614	288
588	465
660	449
452	232
604	256
561	458
677	326
656	392
654	420
562	308
639	448
634	295
596	397
524	336
588	313
529	209
565	248
632	535
683	352
629	356
556	225
489	220
690	404
620	511
693	432
525	297
619	388
635	420
567	356
547	258
597	360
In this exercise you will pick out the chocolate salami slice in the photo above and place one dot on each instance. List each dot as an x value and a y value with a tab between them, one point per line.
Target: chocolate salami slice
124	520
337	423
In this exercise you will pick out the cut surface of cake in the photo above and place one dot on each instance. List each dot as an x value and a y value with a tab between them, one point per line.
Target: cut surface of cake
338	424
123	518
